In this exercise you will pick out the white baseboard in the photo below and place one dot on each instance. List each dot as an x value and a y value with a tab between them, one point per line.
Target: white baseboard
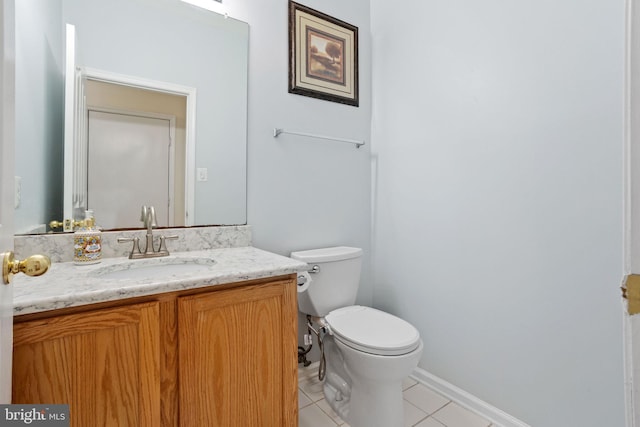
466	400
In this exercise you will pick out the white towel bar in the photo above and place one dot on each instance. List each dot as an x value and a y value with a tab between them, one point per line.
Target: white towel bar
277	131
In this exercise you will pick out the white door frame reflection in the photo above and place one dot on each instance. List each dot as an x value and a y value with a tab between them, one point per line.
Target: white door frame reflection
75	190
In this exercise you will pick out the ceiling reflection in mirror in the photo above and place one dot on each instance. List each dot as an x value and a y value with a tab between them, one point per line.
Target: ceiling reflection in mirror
164	41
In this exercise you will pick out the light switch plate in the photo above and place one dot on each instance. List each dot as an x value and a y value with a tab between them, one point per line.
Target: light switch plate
202	174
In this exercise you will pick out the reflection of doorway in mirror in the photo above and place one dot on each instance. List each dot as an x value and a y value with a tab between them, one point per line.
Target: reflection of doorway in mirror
134	101
130	163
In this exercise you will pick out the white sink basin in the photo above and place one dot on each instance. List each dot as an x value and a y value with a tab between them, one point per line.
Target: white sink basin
155	268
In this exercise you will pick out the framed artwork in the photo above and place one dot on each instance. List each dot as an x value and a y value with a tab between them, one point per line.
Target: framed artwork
323	56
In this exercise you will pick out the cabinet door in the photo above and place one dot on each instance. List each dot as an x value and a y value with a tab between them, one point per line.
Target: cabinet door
105	364
238	357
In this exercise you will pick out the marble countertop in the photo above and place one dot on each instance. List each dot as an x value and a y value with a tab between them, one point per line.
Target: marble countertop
69	285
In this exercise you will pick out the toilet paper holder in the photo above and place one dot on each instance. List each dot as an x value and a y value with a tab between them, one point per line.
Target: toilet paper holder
302	279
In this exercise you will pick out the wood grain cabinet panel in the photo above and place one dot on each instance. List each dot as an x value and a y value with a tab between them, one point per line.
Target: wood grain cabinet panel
105	364
236	365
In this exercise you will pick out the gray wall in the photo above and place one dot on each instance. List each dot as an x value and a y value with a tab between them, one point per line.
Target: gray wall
498	221
305	193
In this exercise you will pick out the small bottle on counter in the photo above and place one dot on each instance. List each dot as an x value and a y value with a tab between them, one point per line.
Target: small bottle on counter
87	241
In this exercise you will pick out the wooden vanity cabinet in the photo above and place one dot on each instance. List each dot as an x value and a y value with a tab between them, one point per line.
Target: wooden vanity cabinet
105	364
218	356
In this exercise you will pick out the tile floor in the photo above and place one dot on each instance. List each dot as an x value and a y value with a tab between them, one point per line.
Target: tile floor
422	406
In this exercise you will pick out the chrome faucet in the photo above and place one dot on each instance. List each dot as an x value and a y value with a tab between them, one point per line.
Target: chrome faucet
148	218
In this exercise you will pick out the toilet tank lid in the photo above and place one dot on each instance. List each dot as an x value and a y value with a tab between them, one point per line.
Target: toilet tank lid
337	253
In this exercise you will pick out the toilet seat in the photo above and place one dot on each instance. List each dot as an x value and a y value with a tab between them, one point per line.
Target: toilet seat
373	331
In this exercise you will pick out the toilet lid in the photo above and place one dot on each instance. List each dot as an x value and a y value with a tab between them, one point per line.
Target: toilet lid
373	331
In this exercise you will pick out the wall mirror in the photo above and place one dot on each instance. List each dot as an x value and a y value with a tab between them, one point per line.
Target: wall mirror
119	47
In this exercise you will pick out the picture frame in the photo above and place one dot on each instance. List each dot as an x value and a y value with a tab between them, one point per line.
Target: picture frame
323	56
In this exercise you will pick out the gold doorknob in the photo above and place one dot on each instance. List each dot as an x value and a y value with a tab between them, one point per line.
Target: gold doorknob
35	265
67	224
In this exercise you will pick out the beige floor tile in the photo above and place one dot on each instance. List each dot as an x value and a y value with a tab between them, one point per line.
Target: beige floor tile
408	382
330	412
303	400
412	414
312	387
313	416
454	415
424	398
430	422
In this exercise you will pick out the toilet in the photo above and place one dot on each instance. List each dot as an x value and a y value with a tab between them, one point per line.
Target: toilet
368	352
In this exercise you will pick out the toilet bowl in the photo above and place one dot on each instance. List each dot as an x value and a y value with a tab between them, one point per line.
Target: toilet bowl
364	385
368	352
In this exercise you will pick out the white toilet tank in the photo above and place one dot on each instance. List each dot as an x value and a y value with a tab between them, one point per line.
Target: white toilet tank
335	284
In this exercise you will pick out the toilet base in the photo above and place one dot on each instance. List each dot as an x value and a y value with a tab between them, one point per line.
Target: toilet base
360	412
365	390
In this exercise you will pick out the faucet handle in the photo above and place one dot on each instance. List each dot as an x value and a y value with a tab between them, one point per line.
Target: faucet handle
135	250
163	243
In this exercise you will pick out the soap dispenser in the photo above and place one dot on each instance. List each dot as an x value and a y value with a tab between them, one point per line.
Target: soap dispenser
87	241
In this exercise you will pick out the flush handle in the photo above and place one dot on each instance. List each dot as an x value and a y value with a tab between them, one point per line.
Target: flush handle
35	265
315	269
